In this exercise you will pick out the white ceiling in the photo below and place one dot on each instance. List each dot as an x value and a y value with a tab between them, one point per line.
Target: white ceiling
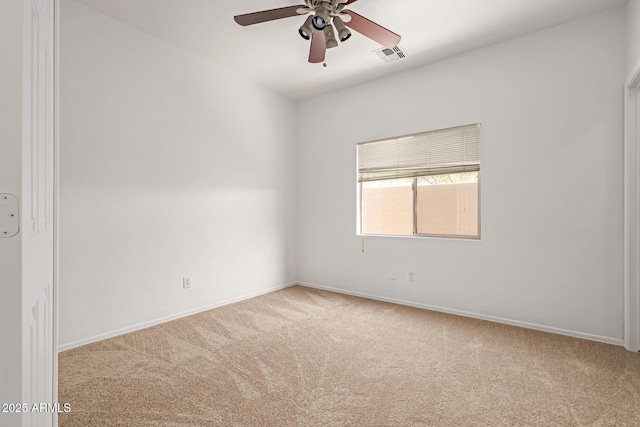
274	55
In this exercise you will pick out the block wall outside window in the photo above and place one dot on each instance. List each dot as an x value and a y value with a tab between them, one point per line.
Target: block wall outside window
387	207
442	208
448	209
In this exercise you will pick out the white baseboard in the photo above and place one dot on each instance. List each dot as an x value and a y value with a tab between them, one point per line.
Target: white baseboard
544	328
143	325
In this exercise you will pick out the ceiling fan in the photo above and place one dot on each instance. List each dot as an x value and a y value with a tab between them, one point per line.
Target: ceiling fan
318	27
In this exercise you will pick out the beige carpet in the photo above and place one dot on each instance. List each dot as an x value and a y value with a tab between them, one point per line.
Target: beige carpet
303	357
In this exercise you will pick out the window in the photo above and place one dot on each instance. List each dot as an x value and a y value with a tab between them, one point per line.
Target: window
425	184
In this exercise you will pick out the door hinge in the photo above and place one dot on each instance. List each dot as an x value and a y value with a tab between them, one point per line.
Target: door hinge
9	215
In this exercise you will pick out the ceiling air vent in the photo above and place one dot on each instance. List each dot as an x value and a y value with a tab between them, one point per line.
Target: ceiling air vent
391	55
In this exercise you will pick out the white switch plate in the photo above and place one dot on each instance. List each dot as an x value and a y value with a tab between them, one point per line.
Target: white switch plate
411	276
186	282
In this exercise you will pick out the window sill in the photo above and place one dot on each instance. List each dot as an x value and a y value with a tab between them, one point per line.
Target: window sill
424	236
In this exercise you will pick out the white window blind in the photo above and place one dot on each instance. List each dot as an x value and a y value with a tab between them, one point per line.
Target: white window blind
452	150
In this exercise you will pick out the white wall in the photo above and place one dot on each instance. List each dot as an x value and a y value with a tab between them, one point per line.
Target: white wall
633	34
552	185
10	179
170	167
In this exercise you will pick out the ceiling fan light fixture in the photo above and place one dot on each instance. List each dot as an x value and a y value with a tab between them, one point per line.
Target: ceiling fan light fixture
330	37
306	29
343	31
322	17
319	25
318	22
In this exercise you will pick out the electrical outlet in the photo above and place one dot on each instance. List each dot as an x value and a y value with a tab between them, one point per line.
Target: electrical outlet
393	275
186	282
411	276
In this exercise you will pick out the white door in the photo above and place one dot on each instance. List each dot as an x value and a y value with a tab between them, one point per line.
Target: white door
27	309
632	213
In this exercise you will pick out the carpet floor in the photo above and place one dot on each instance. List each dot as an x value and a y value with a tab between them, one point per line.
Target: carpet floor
305	357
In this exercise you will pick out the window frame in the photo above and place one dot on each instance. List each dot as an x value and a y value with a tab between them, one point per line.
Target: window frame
414	187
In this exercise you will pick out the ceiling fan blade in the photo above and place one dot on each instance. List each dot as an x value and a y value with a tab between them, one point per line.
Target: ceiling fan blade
318	47
372	30
267	15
